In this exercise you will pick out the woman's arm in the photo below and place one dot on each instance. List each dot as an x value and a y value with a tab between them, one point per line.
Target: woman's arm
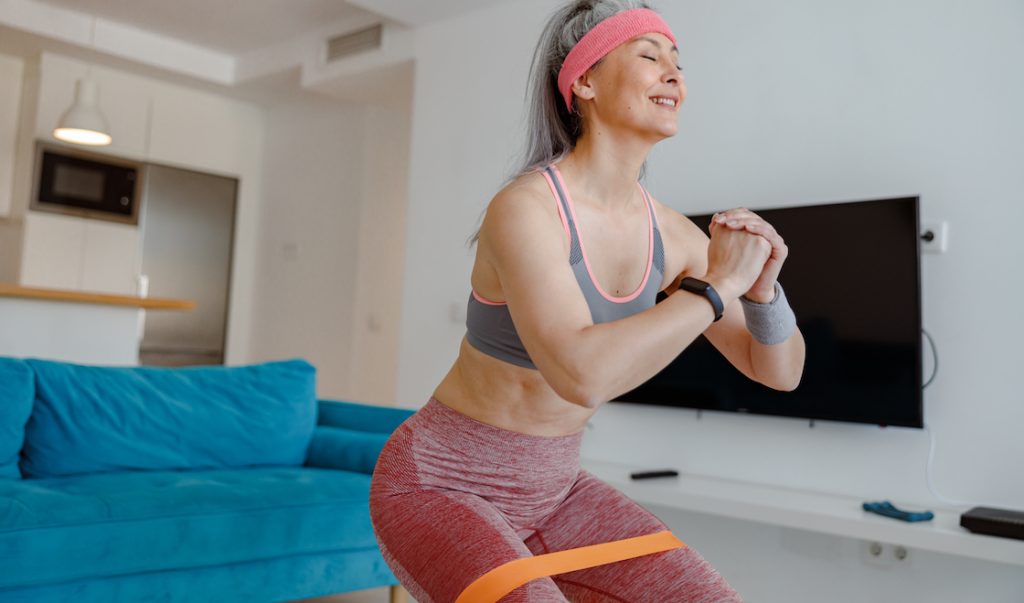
584	363
778	366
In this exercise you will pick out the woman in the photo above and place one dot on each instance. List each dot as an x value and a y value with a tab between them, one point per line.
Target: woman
480	494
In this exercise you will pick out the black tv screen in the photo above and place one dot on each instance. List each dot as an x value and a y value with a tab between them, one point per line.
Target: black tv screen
853	280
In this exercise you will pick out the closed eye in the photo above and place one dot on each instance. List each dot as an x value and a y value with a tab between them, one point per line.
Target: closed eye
656	60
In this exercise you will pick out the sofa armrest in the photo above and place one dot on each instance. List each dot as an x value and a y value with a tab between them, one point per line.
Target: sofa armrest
361	417
349	436
345	449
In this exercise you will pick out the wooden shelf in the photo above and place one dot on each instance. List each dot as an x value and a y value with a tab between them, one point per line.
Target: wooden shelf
812	511
148	303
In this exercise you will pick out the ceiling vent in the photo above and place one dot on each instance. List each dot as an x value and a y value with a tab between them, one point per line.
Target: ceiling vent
356	42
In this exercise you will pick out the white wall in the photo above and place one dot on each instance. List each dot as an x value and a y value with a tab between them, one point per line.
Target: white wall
333	230
11	75
11	69
467	103
789	103
378	286
309	231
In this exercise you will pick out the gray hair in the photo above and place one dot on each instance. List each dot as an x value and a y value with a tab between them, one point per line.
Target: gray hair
551	129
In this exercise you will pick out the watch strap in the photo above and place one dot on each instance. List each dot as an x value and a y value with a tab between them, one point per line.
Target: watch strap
705	289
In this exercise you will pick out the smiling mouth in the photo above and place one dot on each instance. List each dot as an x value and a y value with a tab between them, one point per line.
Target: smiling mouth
664	101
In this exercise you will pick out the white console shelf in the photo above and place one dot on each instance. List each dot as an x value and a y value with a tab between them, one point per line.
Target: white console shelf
813	511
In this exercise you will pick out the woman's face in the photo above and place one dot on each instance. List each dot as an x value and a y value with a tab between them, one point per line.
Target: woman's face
637	86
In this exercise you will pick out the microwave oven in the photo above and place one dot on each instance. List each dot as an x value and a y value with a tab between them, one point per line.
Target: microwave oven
88	185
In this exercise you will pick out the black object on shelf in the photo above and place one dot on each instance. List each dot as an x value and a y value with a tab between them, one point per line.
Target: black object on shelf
653	474
994	522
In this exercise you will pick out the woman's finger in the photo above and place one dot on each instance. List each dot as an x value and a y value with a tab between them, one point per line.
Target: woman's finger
738	212
735	216
723	217
740	223
763	227
768	232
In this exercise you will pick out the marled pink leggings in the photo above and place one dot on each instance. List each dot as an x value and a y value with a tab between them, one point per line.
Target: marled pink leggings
453	498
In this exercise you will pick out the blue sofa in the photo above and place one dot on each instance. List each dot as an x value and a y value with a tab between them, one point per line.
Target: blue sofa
184	484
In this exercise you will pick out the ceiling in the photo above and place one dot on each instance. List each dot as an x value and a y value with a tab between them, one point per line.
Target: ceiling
231	26
246	48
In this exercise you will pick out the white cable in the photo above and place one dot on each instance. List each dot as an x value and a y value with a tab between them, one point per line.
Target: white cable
935	356
931	436
928	474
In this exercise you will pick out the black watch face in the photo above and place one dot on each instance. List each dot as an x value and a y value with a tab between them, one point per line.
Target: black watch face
693	284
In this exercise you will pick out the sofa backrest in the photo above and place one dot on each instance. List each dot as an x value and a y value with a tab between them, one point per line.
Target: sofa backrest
17	390
91	419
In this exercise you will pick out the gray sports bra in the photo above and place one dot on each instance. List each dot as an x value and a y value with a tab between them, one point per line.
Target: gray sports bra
489	326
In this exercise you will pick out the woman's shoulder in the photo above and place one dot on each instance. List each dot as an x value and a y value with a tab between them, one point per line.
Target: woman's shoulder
521	211
530	185
526	197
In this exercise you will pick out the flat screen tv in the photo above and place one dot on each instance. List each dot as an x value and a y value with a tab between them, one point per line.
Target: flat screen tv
853	280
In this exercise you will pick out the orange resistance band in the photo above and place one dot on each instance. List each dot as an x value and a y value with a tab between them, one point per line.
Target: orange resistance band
509	576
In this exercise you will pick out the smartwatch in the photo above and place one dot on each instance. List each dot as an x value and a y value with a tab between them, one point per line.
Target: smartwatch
703	288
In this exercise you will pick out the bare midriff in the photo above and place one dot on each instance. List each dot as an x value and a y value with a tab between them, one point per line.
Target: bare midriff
508	396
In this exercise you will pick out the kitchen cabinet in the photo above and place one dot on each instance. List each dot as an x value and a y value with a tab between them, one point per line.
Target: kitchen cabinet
52	252
153	121
63	252
110	258
149	120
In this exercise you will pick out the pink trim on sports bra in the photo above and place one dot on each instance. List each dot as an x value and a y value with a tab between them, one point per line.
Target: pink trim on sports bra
565	225
483	300
583	249
558	204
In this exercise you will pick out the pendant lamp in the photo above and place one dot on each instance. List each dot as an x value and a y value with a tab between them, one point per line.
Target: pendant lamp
83	123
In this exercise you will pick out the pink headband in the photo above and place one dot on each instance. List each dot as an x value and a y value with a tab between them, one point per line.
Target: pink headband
602	39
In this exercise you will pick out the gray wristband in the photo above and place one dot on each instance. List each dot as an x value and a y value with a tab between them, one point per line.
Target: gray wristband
770	323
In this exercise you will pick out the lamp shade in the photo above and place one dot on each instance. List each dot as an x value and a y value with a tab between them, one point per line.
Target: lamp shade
83	123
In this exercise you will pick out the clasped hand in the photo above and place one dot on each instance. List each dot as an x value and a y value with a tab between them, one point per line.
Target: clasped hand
763	289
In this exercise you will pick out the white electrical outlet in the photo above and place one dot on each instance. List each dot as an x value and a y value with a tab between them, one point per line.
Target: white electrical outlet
874	553
935	237
880	554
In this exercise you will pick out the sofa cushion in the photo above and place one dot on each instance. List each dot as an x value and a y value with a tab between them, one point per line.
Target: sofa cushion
292	578
91	419
16	393
69	528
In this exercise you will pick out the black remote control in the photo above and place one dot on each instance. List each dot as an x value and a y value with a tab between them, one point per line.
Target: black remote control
651	474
